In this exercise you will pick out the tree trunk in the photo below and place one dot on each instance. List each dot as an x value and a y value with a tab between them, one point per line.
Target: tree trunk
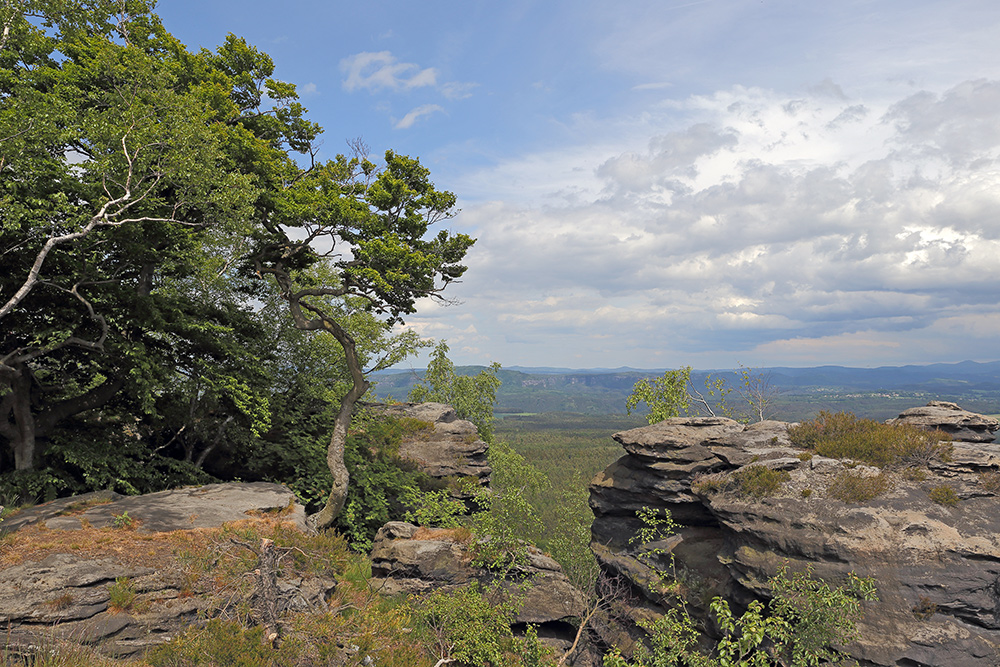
18	422
338	442
335	459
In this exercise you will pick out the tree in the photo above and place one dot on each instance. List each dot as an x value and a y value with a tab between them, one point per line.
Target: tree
472	396
112	180
673	394
666	396
149	196
366	226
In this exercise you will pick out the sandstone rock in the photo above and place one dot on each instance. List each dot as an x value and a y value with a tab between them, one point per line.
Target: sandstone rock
953	420
451	448
408	559
65	597
177	509
937	568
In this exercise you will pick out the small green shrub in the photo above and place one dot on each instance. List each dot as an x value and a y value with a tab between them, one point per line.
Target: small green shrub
914	474
432	508
759	481
716	483
806	493
122	521
122	594
851	486
470	624
844	436
805	456
944	495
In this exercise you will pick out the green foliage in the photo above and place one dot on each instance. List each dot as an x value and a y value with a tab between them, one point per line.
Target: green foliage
818	614
854	486
944	495
122	594
844	436
506	520
665	396
220	642
805	618
380	479
432	508
472	396
471	624
122	521
759	481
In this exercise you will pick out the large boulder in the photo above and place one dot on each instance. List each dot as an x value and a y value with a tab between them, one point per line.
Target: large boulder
953	420
937	566
447	448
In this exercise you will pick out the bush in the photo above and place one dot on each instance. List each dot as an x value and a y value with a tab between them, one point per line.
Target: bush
852	486
808	615
122	594
944	495
990	481
844	436
472	624
759	481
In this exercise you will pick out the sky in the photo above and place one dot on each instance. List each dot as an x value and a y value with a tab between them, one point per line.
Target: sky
661	183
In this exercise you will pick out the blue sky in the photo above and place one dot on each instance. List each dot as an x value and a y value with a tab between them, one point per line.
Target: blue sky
661	183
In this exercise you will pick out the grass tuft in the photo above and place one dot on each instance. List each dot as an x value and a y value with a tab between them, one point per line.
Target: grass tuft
841	435
852	486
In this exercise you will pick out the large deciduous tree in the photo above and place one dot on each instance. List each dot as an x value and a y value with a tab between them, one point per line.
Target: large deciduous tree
112	179
366	228
148	195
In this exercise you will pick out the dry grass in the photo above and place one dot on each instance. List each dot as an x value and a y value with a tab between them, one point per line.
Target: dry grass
853	486
157	550
844	436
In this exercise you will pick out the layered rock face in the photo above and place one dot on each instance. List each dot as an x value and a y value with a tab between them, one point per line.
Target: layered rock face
407	559
68	597
937	567
451	448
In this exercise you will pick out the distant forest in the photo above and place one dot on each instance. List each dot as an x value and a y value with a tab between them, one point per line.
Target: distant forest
877	393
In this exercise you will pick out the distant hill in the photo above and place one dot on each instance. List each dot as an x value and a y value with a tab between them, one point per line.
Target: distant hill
872	392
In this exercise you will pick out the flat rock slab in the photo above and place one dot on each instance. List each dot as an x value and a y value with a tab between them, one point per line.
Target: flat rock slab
178	509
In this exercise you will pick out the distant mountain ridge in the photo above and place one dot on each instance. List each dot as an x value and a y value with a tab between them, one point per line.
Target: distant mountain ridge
802	390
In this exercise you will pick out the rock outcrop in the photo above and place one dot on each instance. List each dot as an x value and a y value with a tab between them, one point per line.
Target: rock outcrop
177	509
407	559
50	595
948	417
449	448
937	566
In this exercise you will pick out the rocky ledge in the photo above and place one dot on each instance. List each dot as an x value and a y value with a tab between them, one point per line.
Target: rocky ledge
937	566
450	448
60	587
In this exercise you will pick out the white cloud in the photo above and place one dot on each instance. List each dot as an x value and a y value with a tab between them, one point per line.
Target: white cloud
423	110
380	70
794	228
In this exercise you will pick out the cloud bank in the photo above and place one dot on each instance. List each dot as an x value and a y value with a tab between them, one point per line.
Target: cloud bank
762	228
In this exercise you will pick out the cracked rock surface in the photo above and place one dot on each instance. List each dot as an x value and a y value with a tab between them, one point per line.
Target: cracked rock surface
937	567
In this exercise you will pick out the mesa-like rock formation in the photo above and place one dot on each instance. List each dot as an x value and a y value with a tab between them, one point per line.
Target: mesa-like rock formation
449	448
937	567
